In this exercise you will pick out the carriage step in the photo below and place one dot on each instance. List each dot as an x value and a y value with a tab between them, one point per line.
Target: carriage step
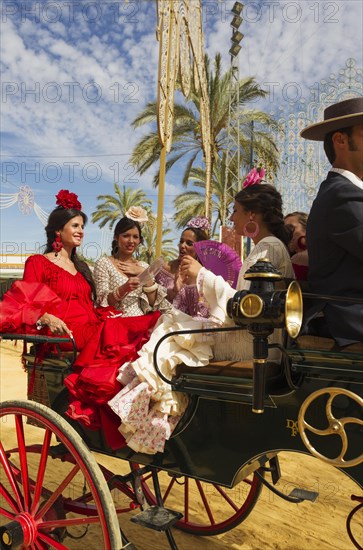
304	495
157	517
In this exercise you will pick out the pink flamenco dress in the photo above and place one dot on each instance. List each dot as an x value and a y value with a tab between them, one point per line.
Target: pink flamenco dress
104	342
187	299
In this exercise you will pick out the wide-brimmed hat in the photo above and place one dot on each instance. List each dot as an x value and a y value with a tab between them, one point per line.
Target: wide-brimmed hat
340	115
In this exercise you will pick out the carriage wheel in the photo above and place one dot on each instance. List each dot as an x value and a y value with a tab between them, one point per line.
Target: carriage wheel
208	509
51	498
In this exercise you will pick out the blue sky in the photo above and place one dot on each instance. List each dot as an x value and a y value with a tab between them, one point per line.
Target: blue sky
75	74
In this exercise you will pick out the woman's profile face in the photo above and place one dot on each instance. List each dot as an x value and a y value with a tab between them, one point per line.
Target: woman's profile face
186	243
72	232
240	217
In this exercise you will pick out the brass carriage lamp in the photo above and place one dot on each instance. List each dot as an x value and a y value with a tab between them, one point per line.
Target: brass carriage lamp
261	309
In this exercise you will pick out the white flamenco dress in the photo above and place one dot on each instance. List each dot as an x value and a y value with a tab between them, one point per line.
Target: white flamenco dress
148	408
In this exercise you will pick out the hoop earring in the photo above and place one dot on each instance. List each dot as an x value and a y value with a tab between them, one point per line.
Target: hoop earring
254	232
57	244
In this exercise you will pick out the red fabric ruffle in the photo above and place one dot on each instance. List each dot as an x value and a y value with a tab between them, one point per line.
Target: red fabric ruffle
23	304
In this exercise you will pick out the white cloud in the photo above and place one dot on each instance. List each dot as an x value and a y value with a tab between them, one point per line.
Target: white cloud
289	42
53	110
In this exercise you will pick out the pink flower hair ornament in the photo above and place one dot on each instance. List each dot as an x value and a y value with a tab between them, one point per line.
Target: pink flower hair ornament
254	176
200	222
68	200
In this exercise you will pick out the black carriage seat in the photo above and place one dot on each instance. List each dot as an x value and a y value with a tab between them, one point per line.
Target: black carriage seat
328	344
234	369
319	355
226	380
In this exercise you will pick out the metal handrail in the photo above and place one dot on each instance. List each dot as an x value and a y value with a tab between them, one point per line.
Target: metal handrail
180	332
41	339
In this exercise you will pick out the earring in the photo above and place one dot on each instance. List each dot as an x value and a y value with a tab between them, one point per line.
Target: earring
57	244
254	232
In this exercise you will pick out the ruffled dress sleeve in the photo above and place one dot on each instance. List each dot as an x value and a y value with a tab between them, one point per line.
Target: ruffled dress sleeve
27	300
102	279
215	291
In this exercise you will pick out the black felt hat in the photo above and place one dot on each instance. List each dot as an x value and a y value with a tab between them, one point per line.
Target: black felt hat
340	115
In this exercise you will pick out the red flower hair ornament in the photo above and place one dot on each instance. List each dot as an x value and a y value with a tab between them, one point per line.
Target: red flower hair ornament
67	200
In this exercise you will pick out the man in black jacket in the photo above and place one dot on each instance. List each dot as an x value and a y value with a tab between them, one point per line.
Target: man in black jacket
335	224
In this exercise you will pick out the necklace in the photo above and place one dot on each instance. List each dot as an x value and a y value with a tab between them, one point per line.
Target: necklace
130	260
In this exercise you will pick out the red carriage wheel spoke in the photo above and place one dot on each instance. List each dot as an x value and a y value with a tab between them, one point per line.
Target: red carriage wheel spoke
202	515
69	522
6	513
226	497
23	460
9	474
168	490
8	498
57	493
41	470
186	500
54	498
39	545
205	502
49	542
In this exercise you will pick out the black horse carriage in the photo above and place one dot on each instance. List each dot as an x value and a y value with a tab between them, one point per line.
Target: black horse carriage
240	416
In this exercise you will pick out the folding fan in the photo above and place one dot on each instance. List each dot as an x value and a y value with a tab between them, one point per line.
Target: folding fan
151	271
219	258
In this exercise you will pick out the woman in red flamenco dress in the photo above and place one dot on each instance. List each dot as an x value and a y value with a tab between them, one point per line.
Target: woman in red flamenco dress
66	308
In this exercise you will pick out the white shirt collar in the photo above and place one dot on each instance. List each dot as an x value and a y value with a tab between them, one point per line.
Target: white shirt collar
349	175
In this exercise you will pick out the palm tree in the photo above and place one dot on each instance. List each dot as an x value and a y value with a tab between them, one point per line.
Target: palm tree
146	250
113	207
192	203
187	143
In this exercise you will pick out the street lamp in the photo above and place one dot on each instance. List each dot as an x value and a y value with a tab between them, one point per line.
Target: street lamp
233	152
237	36
237	19
236	22
235	49
237	8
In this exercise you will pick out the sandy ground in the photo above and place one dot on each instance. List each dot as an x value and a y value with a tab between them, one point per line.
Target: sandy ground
273	523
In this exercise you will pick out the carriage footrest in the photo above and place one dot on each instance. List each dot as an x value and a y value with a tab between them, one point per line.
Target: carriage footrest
303	494
157	517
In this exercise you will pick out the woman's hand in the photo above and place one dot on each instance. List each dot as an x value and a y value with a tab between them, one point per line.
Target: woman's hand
178	282
189	269
131	284
55	325
131	270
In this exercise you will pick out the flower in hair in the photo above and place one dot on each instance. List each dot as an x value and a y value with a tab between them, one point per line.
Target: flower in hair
137	214
67	200
200	222
256	175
